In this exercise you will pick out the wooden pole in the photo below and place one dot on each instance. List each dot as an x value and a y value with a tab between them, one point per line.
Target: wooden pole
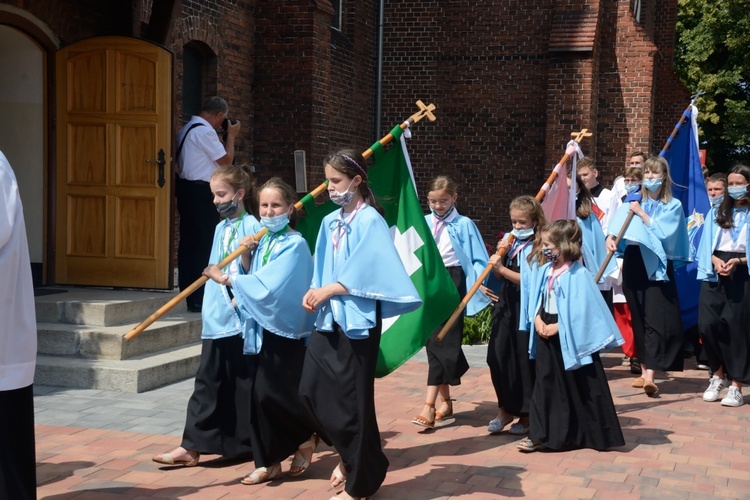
577	137
425	111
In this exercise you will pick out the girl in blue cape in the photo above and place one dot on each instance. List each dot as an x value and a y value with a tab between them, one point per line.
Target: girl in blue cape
724	307
218	412
465	257
569	323
358	279
511	370
275	327
654	243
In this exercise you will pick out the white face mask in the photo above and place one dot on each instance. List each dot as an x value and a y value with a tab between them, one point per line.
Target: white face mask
523	234
716	200
342	199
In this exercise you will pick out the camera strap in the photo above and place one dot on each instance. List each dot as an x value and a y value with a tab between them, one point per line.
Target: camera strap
182	143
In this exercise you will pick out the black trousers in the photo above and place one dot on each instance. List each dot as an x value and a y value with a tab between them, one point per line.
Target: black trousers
198	220
17	447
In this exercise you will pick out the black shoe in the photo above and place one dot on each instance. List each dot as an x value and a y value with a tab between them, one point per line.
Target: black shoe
635	366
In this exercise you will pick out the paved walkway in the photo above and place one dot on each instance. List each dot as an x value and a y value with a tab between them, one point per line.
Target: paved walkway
97	445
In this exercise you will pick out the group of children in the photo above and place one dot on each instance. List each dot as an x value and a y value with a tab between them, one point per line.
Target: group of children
272	385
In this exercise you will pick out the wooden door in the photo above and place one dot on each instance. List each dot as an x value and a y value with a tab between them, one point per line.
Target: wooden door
113	121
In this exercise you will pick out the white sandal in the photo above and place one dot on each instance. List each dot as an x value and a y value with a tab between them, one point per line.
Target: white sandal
299	460
254	477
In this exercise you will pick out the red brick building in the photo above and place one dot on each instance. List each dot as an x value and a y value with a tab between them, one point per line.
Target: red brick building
510	79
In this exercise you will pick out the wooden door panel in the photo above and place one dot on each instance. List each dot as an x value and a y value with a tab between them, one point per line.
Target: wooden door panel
114	115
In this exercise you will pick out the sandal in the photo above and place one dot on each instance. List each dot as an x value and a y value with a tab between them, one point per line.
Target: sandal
442	416
255	477
650	388
638	383
529	445
423	422
168	459
299	459
496	425
338	476
518	429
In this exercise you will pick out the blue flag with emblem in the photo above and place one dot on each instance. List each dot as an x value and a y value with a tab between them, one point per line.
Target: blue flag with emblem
689	187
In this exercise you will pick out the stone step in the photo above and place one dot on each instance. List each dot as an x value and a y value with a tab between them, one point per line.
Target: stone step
101	307
139	374
108	342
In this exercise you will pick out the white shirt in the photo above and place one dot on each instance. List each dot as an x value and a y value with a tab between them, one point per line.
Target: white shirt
443	240
200	151
726	242
17	311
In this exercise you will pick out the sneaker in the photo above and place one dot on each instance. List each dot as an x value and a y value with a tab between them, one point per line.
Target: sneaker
715	386
733	398
496	425
625	361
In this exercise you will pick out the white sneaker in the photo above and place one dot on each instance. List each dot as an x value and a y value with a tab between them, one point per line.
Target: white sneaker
733	398
715	386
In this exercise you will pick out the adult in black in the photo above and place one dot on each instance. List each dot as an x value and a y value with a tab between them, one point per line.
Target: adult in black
199	153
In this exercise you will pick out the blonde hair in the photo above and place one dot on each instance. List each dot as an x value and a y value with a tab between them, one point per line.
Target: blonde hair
531	206
658	165
290	197
240	177
443	182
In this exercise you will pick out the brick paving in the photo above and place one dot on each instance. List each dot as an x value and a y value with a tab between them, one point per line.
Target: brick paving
97	445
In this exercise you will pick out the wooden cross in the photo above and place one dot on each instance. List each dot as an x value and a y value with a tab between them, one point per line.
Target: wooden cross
577	136
423	111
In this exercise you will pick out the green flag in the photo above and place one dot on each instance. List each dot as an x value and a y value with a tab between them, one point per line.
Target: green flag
392	182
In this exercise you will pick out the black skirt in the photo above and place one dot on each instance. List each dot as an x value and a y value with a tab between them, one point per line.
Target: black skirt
17	451
338	393
655	313
279	422
511	370
723	319
445	358
218	413
571	409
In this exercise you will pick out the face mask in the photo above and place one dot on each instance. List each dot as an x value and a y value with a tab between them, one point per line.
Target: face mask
737	192
342	199
716	200
227	208
523	234
276	223
652	184
631	188
550	255
445	215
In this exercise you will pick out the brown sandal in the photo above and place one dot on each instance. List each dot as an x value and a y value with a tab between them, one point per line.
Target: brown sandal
422	422
442	416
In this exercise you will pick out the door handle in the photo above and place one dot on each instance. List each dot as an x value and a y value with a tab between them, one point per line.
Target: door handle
161	161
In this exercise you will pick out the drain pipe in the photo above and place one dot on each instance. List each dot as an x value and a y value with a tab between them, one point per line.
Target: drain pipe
379	71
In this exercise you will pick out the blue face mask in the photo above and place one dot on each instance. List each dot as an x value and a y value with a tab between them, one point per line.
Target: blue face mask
737	192
523	234
631	188
276	223
652	184
716	200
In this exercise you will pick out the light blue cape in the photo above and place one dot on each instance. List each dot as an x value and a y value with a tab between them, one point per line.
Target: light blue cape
664	238
585	324
270	296
707	246
368	266
594	248
220	319
472	254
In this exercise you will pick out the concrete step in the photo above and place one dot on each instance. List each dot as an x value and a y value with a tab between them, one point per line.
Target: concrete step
107	342
139	374
101	307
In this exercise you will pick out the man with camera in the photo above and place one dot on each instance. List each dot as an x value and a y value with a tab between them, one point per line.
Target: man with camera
199	153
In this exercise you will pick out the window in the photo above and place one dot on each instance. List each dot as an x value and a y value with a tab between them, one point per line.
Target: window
337	16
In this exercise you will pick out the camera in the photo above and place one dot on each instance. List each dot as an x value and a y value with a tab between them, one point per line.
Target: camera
225	127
